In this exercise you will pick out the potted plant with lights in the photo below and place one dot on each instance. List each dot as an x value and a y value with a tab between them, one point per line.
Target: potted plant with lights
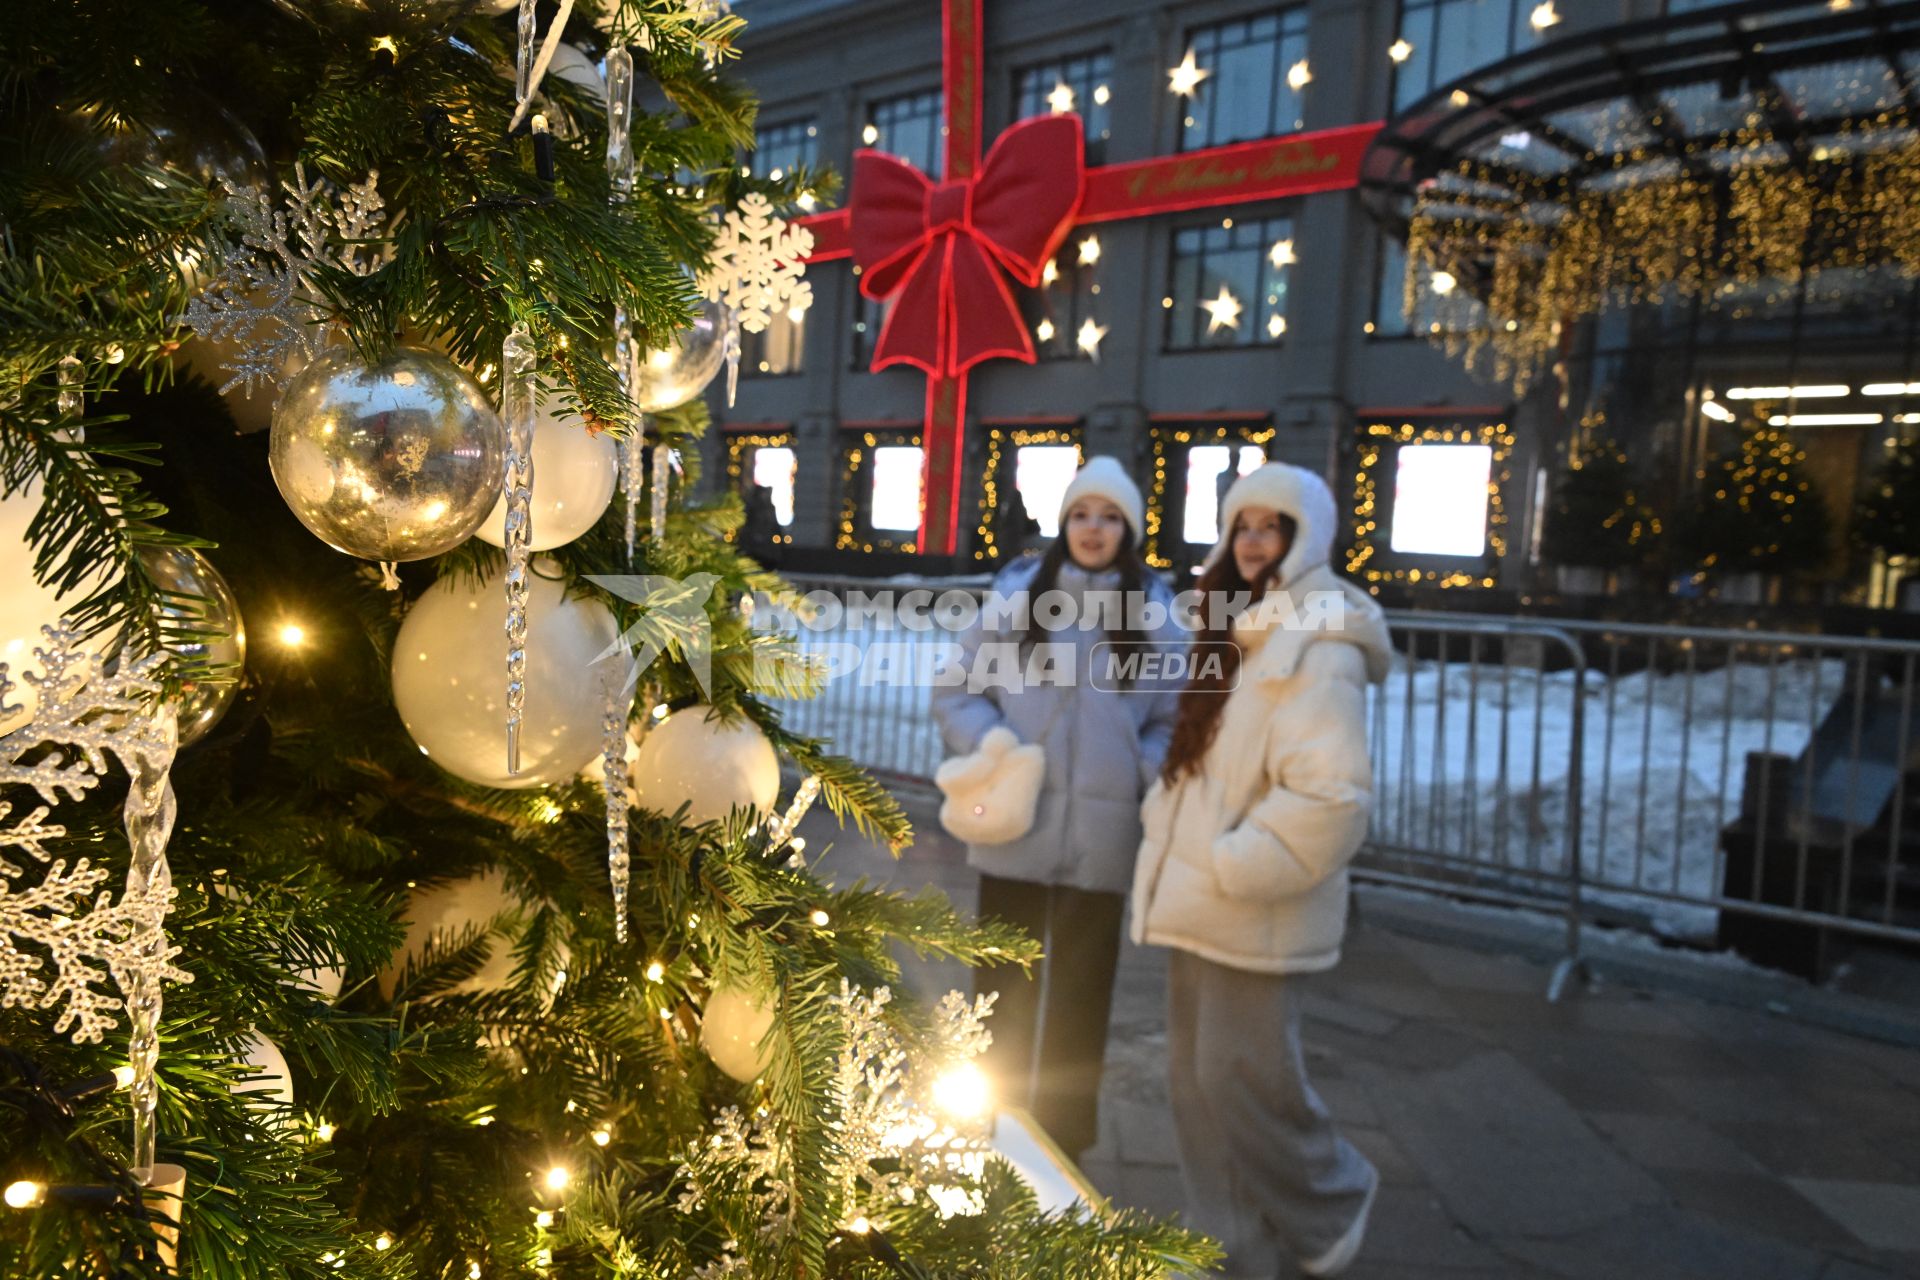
1755	520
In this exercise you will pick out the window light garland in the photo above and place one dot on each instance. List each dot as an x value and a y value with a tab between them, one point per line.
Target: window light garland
854	462
740	447
1165	440
985	546
1378	443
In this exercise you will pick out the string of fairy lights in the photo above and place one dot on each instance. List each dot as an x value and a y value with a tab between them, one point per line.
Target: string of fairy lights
854	462
741	446
1169	441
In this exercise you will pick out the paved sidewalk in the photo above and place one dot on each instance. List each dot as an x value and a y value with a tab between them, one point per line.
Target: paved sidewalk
1618	1134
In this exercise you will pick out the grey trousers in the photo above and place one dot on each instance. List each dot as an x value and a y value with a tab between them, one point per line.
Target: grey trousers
1266	1172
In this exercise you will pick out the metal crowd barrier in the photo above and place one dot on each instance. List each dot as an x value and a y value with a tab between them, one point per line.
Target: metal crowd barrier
1702	785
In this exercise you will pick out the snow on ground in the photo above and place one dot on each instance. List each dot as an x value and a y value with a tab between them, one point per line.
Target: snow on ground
1472	762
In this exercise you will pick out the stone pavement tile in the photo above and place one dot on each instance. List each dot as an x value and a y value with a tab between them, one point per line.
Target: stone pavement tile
1345	1098
1737	1097
1681	1055
1822	1149
1457	969
1672	1142
1410	1227
1364	1270
1421	1046
1880	1215
1629	1014
1586	1070
1507	1154
1657	1242
1898	1138
1377	955
1385	1002
1755	1205
1847	1269
1395	1169
1342	1010
1145	1133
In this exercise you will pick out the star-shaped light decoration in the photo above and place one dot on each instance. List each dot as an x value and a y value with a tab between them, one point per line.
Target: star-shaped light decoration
1400	50
1299	75
1281	255
1443	282
1060	101
1044	330
1222	311
1101	94
1050	274
1089	251
1186	77
1276	325
1544	15
1088	339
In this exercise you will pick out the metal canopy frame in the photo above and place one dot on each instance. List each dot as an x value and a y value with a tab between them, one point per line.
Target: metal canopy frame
1740	49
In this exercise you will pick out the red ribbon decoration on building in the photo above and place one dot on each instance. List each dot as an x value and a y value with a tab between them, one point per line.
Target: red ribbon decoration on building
938	248
943	255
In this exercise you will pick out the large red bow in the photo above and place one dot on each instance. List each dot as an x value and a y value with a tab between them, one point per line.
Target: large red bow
935	245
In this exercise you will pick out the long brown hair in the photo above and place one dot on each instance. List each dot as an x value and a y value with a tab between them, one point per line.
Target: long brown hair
1205	696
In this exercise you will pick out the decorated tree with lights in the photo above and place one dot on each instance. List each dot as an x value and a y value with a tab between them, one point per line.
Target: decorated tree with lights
1599	517
333	869
1756	511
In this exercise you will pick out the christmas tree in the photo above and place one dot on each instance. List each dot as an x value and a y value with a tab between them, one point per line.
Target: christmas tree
1598	517
1756	512
653	1041
1887	515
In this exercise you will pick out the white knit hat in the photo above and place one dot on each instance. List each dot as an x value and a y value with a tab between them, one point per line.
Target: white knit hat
1104	477
1294	492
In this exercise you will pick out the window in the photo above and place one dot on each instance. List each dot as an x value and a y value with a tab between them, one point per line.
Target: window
1229	286
1041	474
781	148
1059	311
775	466
1207	481
869	317
778	350
894	497
1081	84
908	127
1390	317
1447	39
1253	82
1440	499
1690	6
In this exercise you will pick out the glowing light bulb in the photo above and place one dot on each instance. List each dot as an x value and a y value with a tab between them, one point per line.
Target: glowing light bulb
601	1137
1400	50
1299	75
292	635
324	1131
1044	330
860	1226
558	1177
543	1219
1544	16
25	1195
1101	94
819	918
1060	101
382	1242
1444	282
656	971
1089	251
1186	77
963	1091
870	134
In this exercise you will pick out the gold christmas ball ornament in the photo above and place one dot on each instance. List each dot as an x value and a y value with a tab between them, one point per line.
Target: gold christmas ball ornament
397	461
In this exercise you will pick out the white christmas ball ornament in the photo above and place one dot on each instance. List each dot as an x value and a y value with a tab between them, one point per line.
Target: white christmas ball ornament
707	764
734	1030
274	1081
573	476
25	605
668	378
442	913
450	678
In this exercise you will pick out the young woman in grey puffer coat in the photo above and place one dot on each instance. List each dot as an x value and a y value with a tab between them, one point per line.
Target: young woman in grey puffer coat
1065	881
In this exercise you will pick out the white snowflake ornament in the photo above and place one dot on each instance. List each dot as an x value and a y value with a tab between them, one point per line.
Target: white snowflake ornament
759	265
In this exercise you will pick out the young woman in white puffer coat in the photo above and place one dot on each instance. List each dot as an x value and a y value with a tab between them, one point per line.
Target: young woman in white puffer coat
1260	805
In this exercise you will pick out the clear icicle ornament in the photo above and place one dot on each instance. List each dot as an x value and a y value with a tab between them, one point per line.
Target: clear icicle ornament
71	399
613	767
662	467
149	815
631	478
619	121
733	354
523	63
517	397
790	820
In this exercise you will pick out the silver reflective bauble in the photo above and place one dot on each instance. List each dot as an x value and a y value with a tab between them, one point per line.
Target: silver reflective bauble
398	461
667	379
218	643
192	137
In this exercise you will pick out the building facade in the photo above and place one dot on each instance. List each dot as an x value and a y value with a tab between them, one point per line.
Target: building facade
1193	345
